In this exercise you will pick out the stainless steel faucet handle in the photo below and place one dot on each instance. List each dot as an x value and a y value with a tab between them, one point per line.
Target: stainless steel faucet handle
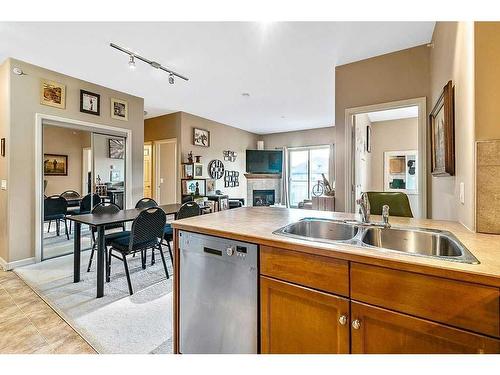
385	215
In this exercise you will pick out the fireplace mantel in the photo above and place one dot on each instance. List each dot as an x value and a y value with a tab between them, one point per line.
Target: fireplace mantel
263	175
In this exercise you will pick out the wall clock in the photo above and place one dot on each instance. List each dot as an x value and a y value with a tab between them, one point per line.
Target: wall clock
216	169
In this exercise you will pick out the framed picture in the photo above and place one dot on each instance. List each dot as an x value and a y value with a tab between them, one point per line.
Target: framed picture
90	103
2	147
187	171
55	165
115	176
52	94
119	109
198	170
442	123
116	148
210	187
201	137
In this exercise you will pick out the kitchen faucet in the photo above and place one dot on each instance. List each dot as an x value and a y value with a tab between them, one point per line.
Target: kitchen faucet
364	210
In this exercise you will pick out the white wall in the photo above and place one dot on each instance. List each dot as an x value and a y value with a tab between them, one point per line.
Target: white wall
102	161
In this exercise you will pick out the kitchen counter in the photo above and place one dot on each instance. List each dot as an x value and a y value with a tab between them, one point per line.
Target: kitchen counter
256	225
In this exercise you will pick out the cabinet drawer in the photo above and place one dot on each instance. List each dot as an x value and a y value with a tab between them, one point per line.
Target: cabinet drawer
381	331
465	305
318	272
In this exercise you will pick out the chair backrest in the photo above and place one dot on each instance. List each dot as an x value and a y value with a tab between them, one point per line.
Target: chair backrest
398	203
106	208
146	203
88	202
147	228
188	209
70	194
54	205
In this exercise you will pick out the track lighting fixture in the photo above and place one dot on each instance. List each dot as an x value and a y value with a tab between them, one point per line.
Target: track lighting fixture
154	64
131	62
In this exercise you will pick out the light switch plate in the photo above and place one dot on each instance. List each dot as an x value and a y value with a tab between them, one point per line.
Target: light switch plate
4	185
161	180
462	193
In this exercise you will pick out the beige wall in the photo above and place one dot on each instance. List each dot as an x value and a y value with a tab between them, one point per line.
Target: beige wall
393	135
452	58
4	165
25	103
310	137
222	137
362	158
394	76
70	142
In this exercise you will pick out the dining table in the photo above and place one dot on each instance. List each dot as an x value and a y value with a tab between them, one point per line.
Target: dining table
100	221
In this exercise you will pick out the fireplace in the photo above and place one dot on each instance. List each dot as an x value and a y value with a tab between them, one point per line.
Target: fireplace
264	197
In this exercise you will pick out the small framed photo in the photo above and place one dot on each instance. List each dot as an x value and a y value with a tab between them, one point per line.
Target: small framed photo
198	170
116	148
119	109
55	165
52	94
201	137
210	187
115	176
90	103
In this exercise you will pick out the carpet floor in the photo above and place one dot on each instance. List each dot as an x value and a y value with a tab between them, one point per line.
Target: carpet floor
118	322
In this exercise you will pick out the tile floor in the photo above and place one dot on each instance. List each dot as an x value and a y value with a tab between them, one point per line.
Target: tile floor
29	325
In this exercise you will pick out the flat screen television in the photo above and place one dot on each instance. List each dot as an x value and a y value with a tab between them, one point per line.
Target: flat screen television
264	161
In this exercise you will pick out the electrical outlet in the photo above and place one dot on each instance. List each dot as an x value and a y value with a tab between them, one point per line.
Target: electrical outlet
462	193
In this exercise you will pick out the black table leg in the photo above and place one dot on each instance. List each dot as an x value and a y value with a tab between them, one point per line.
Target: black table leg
77	253
100	261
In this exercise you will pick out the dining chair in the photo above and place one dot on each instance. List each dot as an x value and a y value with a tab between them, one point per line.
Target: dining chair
146	203
100	209
87	203
398	202
72	196
54	209
188	209
146	233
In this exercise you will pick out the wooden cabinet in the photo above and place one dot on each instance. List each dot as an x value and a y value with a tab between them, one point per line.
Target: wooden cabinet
380	331
296	319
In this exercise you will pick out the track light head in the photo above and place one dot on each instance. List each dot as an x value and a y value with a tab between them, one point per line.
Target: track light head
171	79
131	62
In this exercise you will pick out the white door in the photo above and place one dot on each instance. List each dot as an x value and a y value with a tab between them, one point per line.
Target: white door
166	171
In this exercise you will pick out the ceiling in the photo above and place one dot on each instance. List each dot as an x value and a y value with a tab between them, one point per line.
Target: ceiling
286	67
393	114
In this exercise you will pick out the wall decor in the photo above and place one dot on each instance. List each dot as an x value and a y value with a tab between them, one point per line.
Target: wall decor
216	169
90	103
201	137
116	148
2	147
119	109
442	122
231	179
52	94
210	187
229	155
114	176
191	187
198	170
55	165
368	139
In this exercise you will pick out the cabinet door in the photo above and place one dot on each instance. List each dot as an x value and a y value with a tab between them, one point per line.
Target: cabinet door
379	331
298	320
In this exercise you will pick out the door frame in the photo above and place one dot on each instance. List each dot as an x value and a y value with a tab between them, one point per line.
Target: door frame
422	146
73	124
156	166
150	144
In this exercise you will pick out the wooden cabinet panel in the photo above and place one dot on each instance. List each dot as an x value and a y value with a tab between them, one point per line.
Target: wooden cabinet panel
298	320
465	305
386	332
318	272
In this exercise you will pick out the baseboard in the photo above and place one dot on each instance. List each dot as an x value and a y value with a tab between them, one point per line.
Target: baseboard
17	263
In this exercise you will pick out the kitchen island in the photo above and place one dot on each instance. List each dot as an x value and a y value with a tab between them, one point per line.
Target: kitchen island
319	297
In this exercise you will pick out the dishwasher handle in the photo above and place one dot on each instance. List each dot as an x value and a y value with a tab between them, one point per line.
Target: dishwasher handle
212	251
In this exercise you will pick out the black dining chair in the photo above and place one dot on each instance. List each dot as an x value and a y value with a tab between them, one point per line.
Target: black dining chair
188	209
87	203
146	203
54	209
146	233
101	209
72	197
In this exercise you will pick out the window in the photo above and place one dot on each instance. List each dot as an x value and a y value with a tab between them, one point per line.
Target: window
306	164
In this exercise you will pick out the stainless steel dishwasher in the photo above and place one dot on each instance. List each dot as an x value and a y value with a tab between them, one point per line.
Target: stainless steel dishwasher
218	295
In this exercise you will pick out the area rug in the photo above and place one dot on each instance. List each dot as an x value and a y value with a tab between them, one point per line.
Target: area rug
117	322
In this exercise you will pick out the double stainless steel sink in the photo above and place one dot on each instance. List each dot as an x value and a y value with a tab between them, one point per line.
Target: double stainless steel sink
412	241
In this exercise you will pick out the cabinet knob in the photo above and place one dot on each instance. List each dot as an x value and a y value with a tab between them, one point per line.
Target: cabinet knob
356	324
343	319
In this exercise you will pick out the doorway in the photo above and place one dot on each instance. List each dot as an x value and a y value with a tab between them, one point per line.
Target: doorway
387	145
165	167
148	170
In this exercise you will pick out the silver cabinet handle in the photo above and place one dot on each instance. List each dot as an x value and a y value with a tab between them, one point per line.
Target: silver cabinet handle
343	319
356	324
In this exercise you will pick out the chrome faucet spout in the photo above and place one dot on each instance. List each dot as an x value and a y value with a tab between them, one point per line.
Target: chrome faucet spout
364	208
385	216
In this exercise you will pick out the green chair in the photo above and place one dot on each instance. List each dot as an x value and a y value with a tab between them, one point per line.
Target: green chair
398	203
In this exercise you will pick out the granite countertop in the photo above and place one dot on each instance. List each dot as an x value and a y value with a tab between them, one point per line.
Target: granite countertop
256	224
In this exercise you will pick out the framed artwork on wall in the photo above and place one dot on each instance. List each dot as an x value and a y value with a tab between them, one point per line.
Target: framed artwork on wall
52	94
55	165
119	109
201	137
2	147
90	103
442	128
116	148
